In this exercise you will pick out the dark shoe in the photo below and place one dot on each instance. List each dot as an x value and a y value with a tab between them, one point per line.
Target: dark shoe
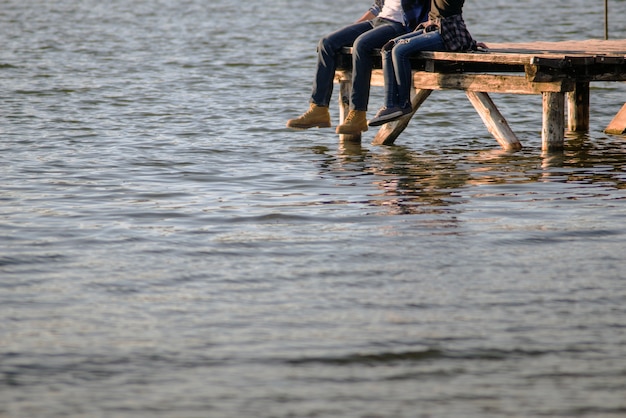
389	114
315	117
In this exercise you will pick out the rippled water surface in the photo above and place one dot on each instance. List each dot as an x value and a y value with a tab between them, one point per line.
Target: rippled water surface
169	249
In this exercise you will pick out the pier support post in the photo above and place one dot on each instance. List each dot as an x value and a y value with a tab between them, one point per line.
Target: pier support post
494	121
578	108
388	133
553	130
345	90
618	124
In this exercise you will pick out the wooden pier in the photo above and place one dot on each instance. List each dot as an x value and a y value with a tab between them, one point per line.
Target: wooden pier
559	71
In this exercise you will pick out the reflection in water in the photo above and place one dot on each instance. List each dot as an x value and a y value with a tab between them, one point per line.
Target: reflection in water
588	160
583	160
410	182
413	183
350	148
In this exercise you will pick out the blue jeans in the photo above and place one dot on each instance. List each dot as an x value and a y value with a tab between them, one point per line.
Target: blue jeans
397	67
364	38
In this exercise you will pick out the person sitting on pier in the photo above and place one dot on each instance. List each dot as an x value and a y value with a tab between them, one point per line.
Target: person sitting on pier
444	31
386	19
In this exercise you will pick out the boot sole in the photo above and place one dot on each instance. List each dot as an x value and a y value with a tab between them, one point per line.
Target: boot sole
385	119
348	132
304	127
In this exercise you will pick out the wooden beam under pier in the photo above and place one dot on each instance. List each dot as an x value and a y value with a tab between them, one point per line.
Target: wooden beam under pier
618	124
388	132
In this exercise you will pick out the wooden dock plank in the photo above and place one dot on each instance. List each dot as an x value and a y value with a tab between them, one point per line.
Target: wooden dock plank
615	47
491	83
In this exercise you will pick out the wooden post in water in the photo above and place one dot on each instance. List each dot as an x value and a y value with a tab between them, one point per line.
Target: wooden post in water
578	108
345	90
553	130
494	121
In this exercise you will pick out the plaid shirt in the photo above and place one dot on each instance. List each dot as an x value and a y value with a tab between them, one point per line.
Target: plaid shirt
454	34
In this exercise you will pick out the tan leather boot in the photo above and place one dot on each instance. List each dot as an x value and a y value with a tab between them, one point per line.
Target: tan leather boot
355	123
315	117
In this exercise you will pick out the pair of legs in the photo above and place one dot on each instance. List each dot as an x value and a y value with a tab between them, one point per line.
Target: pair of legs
364	38
397	66
398	75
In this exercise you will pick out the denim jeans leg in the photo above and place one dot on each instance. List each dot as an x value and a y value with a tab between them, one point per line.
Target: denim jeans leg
389	73
327	50
427	41
362	59
389	77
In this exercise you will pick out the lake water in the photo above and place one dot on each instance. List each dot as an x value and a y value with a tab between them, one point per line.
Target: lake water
169	249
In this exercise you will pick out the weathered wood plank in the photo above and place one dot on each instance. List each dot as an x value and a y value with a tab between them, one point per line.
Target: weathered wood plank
582	47
523	52
618	124
388	132
490	83
494	121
